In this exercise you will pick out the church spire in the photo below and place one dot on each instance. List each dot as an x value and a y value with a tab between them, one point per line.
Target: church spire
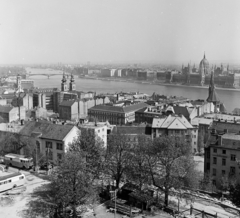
204	56
212	95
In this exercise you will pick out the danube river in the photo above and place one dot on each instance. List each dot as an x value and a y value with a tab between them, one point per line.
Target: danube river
231	98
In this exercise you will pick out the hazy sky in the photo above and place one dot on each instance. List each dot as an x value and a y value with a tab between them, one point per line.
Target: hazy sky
77	31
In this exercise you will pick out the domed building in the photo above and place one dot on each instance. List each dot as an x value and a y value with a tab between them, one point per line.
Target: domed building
204	68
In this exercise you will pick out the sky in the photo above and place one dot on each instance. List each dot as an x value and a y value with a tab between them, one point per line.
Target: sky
117	31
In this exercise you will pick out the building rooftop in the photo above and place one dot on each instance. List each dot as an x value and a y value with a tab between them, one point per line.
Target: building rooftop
201	120
119	109
172	122
5	108
48	130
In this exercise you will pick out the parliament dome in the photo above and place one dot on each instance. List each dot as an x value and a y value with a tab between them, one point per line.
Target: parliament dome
204	66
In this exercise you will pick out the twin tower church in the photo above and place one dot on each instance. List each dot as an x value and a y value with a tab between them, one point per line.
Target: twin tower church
64	85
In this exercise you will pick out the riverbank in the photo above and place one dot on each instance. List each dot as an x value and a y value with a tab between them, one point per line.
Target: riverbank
156	83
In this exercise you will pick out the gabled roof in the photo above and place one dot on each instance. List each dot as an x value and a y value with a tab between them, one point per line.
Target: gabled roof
48	130
177	124
171	122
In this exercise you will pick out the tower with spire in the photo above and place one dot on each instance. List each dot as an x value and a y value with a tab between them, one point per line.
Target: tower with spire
212	94
72	85
64	87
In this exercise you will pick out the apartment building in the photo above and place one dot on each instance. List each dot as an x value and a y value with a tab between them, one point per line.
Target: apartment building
222	153
174	125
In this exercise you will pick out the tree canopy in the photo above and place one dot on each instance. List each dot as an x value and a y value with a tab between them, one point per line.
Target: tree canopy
91	147
171	164
70	182
118	156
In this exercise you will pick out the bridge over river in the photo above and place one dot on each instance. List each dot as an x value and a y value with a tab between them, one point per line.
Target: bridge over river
48	74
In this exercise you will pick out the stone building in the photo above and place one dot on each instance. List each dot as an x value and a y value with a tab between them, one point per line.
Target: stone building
115	114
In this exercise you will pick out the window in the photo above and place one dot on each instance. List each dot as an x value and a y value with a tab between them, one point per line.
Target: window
48	144
214	182
224	162
232	170
223	172
99	131
233	157
214	172
194	143
214	150
224	151
208	154
102	129
59	146
208	166
214	160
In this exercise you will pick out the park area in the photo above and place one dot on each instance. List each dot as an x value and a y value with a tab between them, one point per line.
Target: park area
28	201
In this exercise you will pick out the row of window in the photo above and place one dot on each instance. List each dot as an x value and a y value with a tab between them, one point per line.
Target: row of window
50	145
233	158
215	151
232	171
49	155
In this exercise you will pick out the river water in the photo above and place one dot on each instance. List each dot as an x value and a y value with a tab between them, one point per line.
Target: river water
231	98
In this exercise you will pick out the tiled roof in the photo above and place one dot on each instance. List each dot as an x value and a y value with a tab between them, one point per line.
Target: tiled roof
48	130
118	109
181	110
67	103
171	122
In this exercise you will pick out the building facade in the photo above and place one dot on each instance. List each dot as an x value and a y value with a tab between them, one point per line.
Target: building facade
222	153
118	115
51	140
174	125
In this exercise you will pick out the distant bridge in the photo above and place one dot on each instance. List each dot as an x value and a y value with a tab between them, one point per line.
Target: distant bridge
48	74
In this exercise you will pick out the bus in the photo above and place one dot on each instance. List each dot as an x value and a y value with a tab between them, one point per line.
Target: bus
17	160
11	181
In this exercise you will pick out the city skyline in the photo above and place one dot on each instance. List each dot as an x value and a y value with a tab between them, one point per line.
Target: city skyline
119	31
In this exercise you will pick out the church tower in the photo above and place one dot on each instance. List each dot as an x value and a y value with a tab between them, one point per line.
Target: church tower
72	85
64	87
212	95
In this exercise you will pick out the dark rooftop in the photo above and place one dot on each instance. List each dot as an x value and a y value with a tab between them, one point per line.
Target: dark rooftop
48	130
